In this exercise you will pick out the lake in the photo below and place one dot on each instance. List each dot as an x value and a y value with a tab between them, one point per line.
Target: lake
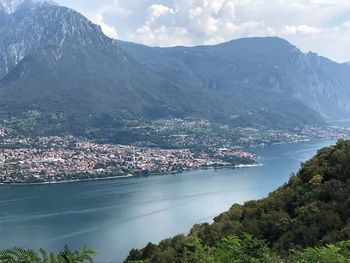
117	215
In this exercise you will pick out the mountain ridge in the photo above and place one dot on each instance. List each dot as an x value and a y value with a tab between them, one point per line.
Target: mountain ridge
69	66
290	60
55	62
11	6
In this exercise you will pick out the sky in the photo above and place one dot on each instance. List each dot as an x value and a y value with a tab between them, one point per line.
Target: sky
321	26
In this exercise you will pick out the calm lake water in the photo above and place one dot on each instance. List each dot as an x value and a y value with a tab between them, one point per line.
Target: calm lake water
117	215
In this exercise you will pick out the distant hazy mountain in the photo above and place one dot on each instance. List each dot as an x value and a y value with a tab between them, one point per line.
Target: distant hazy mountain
254	65
56	63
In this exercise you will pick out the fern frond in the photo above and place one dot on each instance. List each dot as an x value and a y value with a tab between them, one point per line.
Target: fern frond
45	255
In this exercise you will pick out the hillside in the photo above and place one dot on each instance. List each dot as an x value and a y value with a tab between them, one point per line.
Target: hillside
59	65
304	221
312	209
60	74
256	69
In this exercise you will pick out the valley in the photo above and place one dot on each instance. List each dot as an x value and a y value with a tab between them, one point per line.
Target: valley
211	107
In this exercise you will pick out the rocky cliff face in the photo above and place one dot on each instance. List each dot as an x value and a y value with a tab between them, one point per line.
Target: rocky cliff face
34	25
12	6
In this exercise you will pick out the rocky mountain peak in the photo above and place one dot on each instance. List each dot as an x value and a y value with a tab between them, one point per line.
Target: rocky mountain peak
40	28
11	6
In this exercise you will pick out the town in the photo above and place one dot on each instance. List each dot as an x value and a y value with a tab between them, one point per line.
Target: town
61	159
164	146
190	133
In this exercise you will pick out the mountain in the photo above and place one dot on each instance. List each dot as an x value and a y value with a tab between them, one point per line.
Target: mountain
253	65
56	63
11	6
60	74
312	209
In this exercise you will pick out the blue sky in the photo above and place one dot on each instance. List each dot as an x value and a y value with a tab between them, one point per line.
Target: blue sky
322	26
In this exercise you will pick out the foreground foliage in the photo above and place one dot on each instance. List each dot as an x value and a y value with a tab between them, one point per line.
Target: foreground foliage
311	210
246	249
305	221
20	255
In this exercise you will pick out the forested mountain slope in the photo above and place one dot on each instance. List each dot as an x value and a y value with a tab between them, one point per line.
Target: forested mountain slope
56	62
58	68
254	68
312	209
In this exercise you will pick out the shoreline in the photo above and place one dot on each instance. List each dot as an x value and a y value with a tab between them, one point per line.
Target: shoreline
238	166
296	141
69	181
291	142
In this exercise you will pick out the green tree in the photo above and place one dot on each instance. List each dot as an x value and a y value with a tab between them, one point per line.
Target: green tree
20	255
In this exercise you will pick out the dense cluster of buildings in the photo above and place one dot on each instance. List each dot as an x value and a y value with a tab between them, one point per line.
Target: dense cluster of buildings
54	159
182	133
255	137
194	143
3	132
175	124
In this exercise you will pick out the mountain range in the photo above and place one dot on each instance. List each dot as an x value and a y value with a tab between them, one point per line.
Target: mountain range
256	65
59	67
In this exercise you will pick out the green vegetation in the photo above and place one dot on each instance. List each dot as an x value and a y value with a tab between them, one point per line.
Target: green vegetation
233	249
306	220
88	81
311	210
260	76
20	255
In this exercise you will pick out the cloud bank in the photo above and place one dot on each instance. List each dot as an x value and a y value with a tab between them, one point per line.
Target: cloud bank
319	25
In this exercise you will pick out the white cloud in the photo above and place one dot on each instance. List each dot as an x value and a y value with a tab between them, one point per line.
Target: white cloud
156	11
98	18
162	35
192	22
319	25
108	30
301	29
332	42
